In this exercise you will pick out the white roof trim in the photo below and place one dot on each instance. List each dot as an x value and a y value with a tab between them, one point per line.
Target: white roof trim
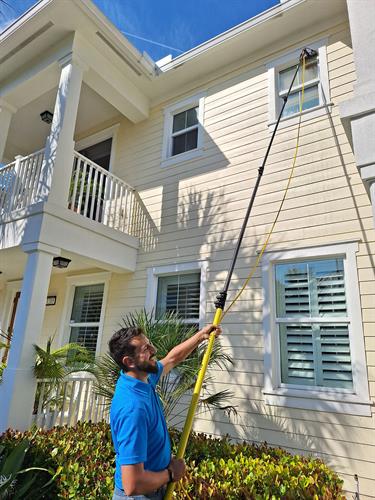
231	33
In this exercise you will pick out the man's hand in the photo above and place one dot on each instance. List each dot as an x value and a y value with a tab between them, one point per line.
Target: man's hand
178	468
206	331
182	351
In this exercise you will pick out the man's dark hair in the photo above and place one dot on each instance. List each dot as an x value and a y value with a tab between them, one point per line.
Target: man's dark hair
120	344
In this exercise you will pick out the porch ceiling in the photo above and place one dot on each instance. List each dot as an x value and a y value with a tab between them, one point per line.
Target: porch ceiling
28	133
13	262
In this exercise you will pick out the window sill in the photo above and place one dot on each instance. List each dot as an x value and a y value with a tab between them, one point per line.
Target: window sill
308	114
333	402
181	158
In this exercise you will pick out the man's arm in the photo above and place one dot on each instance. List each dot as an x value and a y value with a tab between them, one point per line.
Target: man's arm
182	351
137	481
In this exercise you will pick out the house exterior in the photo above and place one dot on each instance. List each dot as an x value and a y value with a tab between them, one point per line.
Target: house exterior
142	179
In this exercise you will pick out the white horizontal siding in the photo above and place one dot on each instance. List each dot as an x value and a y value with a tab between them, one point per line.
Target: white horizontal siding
199	207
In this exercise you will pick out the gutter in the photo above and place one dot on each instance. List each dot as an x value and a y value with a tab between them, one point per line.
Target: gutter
275	11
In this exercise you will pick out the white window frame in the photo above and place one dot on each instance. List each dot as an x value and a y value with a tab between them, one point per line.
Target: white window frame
102	135
286	61
82	280
169	113
154	273
355	402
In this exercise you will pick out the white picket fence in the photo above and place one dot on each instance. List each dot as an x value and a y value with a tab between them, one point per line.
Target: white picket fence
19	183
71	401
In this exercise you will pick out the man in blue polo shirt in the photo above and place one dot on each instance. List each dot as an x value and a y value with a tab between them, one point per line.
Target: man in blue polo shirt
144	464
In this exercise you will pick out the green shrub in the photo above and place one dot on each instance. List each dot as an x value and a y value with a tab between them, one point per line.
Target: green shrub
82	459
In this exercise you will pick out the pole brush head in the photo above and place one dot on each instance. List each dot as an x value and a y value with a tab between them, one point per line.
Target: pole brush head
308	53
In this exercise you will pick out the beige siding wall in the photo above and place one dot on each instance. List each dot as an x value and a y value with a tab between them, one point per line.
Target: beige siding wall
198	207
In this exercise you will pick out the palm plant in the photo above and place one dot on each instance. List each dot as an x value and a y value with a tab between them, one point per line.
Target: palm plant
17	482
165	333
54	365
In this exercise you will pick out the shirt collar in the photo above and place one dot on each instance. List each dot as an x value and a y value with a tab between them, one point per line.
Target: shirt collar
135	384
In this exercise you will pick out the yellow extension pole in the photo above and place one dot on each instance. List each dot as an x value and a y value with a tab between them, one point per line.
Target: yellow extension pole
194	400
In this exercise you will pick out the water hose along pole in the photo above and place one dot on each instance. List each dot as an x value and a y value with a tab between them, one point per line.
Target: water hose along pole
221	297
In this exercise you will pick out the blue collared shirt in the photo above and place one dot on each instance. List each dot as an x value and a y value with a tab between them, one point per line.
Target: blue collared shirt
138	426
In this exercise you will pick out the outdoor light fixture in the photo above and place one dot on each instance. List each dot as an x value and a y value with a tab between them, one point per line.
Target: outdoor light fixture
46	116
61	262
51	300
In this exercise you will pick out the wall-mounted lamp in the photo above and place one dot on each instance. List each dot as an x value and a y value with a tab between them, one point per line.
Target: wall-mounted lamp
46	116
61	262
51	300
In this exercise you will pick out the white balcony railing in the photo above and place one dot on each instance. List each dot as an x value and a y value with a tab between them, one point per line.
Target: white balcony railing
19	182
103	197
71	401
94	193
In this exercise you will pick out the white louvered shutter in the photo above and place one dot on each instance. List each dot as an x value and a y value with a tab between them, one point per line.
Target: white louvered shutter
85	317
179	293
313	352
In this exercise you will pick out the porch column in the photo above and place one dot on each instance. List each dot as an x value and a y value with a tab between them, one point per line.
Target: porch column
6	113
58	161
17	390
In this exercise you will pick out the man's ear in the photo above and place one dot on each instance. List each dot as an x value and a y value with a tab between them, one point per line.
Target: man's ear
128	362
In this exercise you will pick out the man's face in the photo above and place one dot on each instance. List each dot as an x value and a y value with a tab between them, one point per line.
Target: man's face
144	357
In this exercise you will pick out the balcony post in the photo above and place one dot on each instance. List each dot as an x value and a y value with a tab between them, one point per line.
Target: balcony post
6	113
58	161
17	390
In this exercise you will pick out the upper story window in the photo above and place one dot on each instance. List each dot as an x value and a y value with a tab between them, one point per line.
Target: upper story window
316	86
313	340
183	130
311	87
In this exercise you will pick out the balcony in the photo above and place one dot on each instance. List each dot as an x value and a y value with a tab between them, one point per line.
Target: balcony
94	194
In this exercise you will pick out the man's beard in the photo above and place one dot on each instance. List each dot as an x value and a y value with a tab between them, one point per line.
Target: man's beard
147	367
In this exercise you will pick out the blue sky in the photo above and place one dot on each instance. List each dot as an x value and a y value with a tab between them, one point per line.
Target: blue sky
176	24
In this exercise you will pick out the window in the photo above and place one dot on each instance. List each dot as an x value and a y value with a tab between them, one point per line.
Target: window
179	288
314	348
316	94
85	317
183	130
179	293
311	84
313	353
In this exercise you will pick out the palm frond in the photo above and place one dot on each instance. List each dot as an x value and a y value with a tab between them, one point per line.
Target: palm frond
165	333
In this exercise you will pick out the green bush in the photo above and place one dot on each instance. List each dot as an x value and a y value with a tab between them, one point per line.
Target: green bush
82	460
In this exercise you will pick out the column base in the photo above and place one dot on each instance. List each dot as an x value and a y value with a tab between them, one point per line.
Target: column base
17	395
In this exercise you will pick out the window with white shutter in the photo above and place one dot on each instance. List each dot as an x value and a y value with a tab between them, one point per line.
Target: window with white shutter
313	351
86	314
179	293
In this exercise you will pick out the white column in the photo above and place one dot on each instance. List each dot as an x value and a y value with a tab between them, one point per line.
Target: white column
358	112
372	197
6	113
58	161
361	19
17	390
